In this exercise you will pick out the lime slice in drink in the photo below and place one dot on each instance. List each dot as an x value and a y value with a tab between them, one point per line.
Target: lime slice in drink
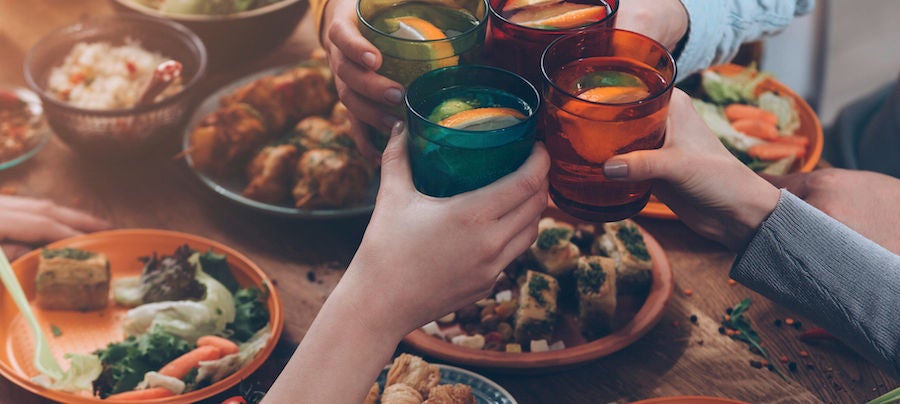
483	119
417	29
450	107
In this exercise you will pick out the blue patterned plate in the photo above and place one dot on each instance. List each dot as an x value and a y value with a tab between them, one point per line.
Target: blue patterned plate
484	390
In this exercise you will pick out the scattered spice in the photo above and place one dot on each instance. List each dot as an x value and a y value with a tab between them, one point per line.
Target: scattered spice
736	322
804	354
311	276
789	321
777	322
722	330
693	318
55	330
770	367
8	190
783	359
688	292
731	282
798	325
815	334
756	364
699	342
792	366
729	310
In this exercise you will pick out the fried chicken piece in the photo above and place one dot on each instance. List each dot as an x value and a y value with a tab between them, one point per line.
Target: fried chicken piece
315	132
305	91
261	95
400	394
450	394
270	174
415	372
226	137
328	178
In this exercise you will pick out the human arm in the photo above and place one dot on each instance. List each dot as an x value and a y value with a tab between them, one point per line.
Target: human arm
28	222
806	260
713	29
847	195
420	258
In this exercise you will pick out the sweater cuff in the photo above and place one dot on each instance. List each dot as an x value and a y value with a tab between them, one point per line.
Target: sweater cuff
707	19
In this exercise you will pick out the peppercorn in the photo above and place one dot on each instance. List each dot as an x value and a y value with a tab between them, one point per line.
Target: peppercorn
694	318
756	364
728	310
777	323
798	325
792	366
722	330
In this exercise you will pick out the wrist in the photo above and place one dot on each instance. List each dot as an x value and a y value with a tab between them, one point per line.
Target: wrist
756	204
681	28
369	306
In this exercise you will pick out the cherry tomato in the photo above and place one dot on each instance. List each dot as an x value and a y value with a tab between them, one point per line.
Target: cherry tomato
235	400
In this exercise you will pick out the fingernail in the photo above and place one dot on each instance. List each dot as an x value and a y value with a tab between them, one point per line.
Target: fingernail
393	95
369	59
389	121
615	168
398	128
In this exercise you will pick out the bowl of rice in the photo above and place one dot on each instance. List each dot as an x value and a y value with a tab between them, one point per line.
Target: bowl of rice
90	76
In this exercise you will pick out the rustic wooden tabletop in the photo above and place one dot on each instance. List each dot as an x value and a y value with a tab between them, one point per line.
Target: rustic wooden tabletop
306	259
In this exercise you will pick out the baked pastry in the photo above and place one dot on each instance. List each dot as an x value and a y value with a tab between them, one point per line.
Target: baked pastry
536	314
72	279
401	394
373	394
553	249
413	371
450	394
596	281
623	242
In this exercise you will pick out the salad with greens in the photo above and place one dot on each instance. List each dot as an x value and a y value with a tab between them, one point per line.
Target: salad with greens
758	127
191	324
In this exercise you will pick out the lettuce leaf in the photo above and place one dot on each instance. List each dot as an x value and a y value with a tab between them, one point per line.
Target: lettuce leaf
783	107
715	119
740	88
83	370
125	363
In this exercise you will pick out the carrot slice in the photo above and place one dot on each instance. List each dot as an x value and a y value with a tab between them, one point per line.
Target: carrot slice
775	151
795	139
225	345
145	394
759	129
736	112
182	365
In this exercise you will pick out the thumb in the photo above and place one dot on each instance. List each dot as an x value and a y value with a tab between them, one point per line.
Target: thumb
395	171
638	165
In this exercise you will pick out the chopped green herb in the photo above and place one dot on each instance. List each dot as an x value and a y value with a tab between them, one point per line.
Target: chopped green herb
744	332
553	237
591	281
536	285
634	242
55	330
70	253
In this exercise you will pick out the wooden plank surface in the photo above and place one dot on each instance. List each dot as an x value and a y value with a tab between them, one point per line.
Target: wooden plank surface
306	258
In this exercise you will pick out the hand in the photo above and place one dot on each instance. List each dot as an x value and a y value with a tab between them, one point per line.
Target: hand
27	222
354	61
421	257
711	191
663	20
862	200
430	256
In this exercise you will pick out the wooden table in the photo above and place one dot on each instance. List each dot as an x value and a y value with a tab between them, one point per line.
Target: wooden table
306	258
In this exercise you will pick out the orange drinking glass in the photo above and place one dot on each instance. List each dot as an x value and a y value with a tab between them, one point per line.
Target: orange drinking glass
607	93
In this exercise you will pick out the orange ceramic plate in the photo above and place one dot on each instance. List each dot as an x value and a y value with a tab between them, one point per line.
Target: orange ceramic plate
84	332
646	317
689	400
810	127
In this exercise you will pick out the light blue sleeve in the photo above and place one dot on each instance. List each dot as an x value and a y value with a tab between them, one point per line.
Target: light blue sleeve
719	27
812	264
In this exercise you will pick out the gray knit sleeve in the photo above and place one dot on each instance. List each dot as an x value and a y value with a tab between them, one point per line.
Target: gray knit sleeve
812	264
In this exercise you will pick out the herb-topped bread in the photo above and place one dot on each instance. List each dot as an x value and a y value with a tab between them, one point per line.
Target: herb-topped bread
72	279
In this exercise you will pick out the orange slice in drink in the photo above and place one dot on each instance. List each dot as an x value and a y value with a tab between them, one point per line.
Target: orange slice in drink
483	119
615	94
418	29
513	5
567	15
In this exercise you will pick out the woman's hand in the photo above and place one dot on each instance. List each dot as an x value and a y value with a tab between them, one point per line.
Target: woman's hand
423	257
710	190
371	98
27	222
663	20
864	201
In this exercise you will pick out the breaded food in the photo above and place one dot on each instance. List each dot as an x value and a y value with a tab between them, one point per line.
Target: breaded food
373	394
596	283
413	371
536	314
451	394
624	242
72	279
227	138
401	394
270	174
553	249
328	178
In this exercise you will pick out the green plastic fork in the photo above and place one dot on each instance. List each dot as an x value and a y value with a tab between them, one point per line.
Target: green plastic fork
44	360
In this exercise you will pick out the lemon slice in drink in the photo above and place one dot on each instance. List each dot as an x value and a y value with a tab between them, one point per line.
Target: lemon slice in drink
417	29
513	5
483	119
563	16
